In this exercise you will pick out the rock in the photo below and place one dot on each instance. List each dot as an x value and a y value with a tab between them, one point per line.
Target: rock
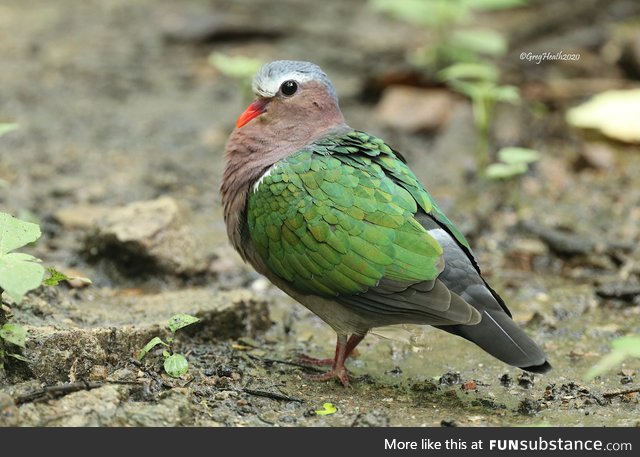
506	380
523	252
526	380
595	155
80	216
411	109
625	291
469	385
450	378
174	409
109	406
146	237
528	407
9	414
75	354
71	355
371	419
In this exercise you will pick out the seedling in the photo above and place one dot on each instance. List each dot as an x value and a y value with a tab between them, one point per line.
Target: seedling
621	349
56	277
175	365
238	68
6	128
460	55
19	272
512	162
479	82
451	38
12	334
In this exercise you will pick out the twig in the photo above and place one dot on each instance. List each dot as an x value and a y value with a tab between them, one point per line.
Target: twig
60	390
272	395
621	392
286	362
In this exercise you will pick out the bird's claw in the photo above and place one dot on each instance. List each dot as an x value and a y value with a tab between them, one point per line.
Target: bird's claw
341	374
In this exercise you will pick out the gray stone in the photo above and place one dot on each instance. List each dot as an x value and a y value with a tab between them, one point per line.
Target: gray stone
145	237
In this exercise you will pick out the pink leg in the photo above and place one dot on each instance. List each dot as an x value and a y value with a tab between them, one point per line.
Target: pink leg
344	348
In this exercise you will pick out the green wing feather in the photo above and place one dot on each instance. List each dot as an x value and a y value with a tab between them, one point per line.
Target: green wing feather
337	217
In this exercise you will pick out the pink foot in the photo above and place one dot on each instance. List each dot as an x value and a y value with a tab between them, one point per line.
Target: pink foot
344	348
306	360
340	373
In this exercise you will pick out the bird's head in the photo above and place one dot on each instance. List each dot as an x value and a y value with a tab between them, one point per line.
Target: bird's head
288	89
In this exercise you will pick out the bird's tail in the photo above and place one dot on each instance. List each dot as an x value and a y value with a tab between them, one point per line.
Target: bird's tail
502	338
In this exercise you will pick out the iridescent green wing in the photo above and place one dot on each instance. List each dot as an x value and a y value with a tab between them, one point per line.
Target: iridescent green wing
331	221
355	143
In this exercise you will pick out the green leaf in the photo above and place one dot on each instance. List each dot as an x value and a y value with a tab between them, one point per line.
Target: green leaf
424	12
518	155
181	320
505	170
483	41
15	233
622	349
492	5
19	273
239	67
176	365
150	345
327	408
14	334
508	94
18	356
473	71
55	277
6	128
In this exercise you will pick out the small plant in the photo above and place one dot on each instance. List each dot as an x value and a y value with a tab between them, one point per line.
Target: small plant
56	277
512	162
461	55
19	272
175	365
239	68
6	128
452	40
479	82
11	334
621	349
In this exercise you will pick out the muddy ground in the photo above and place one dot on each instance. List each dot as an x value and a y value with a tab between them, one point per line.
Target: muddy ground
117	104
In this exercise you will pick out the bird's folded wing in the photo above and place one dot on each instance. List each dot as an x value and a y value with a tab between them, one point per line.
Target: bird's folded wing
346	229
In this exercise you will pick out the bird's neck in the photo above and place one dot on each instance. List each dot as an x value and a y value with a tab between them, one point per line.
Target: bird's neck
250	152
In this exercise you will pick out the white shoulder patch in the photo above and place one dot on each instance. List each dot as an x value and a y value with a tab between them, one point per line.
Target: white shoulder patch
264	175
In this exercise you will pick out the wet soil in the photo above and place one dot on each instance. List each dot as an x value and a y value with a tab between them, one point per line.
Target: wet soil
117	104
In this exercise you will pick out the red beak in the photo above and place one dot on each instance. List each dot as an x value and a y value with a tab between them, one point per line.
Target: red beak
254	110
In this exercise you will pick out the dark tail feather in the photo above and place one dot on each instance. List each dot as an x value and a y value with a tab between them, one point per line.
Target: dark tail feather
502	338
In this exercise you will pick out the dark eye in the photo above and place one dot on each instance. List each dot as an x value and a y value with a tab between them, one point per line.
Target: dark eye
289	88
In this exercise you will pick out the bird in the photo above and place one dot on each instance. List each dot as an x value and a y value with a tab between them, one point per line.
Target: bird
335	218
